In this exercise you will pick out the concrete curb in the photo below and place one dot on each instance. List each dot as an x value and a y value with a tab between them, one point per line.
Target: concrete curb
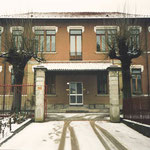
139	127
24	124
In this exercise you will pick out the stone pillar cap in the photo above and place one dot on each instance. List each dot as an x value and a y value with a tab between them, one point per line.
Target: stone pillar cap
40	67
114	68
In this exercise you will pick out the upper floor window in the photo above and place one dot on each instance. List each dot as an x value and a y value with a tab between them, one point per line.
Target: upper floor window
1	30
17	35
75	42
134	32
45	38
136	81
105	35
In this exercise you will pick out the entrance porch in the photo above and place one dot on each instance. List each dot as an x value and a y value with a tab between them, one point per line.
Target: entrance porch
80	91
75	87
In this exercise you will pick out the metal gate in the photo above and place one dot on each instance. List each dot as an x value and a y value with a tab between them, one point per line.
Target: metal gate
27	98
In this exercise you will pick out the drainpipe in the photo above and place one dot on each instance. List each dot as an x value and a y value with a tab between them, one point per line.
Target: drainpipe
4	87
147	62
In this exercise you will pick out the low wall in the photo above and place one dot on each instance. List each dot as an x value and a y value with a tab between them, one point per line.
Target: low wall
141	128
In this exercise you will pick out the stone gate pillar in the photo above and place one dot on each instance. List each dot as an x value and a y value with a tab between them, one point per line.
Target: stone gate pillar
114	93
39	93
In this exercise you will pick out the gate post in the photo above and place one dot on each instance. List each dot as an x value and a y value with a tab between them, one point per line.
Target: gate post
39	93
114	94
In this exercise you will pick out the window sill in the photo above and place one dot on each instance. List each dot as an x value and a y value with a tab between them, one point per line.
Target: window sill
48	52
135	94
102	95
101	52
51	95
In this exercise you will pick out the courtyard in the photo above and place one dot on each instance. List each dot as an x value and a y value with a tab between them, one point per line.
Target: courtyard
77	131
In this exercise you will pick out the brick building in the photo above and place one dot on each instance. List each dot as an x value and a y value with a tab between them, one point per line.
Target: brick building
74	47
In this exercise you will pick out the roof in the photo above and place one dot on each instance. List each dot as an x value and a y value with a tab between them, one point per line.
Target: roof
74	66
72	15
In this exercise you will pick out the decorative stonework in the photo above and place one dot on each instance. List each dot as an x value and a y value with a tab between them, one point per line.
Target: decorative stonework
75	28
45	28
137	67
20	28
10	68
1	29
106	27
135	27
0	68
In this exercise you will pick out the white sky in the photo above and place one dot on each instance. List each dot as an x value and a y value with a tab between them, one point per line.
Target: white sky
20	6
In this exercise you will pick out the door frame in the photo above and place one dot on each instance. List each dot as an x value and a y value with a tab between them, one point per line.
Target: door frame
80	104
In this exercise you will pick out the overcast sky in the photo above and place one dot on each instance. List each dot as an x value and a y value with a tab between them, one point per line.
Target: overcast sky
21	6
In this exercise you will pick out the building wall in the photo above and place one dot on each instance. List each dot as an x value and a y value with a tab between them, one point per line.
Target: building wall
89	54
63	40
89	81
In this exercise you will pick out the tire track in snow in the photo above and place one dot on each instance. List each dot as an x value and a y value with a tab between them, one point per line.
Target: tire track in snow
63	136
111	142
99	136
74	141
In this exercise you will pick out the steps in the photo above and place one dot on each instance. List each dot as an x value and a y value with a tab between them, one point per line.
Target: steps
78	109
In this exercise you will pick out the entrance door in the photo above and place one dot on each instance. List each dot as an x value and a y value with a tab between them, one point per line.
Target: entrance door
76	93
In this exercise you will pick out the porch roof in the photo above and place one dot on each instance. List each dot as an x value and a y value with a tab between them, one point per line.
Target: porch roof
71	66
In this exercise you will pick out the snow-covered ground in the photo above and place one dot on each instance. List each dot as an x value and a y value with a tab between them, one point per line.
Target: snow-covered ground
130	138
6	132
62	135
77	116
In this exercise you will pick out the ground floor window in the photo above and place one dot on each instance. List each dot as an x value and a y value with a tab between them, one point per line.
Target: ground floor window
102	82
136	81
50	80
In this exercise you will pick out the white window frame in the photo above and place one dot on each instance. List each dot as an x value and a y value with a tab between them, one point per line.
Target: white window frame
75	28
45	28
106	28
69	28
1	29
75	94
135	27
137	67
10	68
149	29
16	28
1	68
136	92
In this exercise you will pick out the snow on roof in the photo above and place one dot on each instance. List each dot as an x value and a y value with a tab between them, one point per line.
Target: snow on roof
72	15
74	66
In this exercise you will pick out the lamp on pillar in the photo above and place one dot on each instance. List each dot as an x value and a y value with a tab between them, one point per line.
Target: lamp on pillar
114	93
39	93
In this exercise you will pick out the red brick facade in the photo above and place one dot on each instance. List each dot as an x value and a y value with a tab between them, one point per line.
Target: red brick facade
89	54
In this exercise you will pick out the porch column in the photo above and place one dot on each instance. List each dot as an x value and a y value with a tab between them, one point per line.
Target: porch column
39	93
114	93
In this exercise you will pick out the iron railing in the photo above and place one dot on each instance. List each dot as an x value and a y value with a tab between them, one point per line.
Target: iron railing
137	109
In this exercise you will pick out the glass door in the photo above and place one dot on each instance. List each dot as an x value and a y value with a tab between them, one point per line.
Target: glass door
76	93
